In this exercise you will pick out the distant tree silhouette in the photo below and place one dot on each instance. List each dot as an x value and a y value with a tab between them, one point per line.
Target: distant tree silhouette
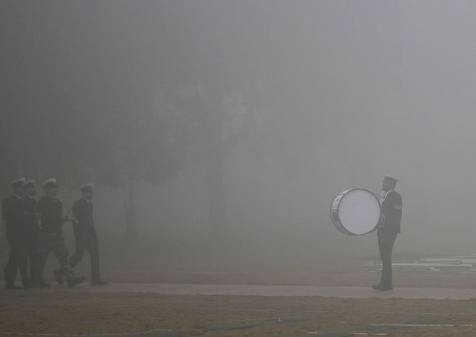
204	125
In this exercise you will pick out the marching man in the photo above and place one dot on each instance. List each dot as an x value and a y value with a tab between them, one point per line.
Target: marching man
85	233
51	238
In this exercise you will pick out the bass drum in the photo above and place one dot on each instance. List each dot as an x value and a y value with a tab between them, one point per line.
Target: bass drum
356	212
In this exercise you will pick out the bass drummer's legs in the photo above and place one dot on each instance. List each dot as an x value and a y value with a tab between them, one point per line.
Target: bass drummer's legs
386	242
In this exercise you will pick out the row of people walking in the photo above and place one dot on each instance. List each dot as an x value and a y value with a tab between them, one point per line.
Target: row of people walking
34	229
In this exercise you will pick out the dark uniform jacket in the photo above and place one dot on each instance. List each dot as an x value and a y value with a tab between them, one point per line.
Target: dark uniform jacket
13	214
31	214
51	215
83	213
392	211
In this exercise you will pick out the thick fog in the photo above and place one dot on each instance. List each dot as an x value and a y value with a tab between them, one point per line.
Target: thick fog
276	106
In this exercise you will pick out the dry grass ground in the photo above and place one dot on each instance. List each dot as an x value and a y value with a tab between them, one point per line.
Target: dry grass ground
66	313
351	277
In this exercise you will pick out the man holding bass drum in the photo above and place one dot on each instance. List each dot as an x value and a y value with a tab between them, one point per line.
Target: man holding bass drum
388	229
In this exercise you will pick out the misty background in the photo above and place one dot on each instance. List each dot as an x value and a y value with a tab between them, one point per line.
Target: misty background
217	132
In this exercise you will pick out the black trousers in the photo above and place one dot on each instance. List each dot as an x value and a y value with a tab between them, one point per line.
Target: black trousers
87	242
47	243
385	244
17	261
30	255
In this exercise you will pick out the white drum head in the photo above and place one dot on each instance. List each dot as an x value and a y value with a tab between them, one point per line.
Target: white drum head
356	212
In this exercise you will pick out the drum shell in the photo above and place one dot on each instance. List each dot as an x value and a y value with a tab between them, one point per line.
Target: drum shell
334	212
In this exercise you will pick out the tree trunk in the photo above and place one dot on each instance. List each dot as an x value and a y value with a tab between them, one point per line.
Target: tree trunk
217	214
131	220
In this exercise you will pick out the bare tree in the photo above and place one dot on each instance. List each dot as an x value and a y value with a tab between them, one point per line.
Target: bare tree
207	124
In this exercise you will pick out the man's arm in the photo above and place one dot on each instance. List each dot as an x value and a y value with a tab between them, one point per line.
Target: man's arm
76	213
398	209
5	210
40	208
5	216
76	210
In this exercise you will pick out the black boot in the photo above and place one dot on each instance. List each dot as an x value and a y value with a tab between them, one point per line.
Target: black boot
75	280
12	286
39	284
381	287
9	282
59	276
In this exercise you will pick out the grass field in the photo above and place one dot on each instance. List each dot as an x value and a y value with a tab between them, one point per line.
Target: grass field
67	313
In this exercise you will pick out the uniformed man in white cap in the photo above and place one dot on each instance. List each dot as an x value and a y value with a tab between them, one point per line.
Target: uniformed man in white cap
32	221
85	233
14	219
388	230
51	239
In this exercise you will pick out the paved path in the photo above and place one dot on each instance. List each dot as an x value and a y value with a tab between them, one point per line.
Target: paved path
274	290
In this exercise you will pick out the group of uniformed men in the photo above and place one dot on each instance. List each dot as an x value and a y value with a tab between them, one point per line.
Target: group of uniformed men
34	230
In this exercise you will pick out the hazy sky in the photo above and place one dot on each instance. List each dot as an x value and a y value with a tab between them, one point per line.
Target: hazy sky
353	90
